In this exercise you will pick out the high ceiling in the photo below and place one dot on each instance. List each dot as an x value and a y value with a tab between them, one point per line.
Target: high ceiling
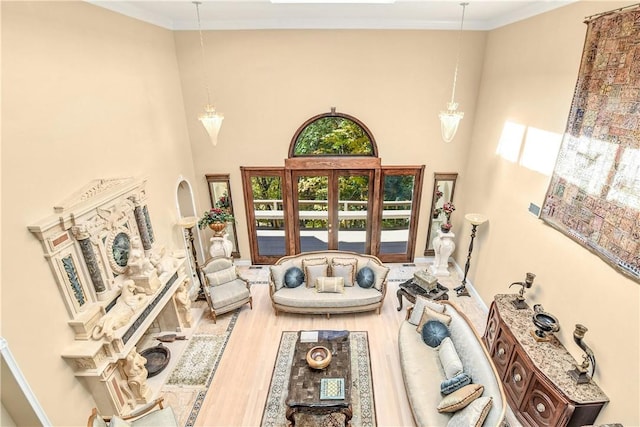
330	14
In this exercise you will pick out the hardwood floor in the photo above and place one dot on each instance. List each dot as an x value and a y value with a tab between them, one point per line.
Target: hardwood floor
239	388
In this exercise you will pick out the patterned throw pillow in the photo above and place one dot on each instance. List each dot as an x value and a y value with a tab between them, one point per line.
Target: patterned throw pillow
449	358
330	284
433	332
346	270
473	415
460	398
448	386
312	272
365	277
418	308
293	277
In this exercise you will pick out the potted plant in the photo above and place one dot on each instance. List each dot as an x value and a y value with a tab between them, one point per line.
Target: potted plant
216	218
448	209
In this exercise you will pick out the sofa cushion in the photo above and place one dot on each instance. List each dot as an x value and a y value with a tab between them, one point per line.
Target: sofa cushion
449	358
330	284
278	271
346	271
460	398
473	415
366	277
433	332
314	261
303	297
293	277
222	276
418	308
312	272
428	315
228	293
448	386
380	272
420	368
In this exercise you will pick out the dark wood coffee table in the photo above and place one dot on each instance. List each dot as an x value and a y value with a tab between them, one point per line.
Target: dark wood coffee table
304	382
410	290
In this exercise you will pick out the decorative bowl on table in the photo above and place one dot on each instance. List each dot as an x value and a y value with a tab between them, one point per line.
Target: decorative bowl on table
318	357
546	323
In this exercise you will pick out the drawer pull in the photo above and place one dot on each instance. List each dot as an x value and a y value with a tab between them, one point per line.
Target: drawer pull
517	378
540	408
501	352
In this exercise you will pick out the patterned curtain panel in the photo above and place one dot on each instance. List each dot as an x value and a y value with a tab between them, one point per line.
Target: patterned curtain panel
594	194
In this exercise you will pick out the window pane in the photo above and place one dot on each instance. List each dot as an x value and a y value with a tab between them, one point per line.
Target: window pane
313	210
396	213
352	212
335	136
269	215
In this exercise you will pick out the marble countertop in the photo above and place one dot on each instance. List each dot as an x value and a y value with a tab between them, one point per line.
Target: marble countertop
551	358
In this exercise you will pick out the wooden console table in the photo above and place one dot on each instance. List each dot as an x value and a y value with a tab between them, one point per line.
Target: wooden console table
535	374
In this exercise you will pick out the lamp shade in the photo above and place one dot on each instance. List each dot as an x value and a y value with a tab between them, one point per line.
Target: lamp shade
187	221
211	122
476	218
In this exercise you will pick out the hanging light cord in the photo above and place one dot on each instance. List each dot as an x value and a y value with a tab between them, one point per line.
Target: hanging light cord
204	64
455	73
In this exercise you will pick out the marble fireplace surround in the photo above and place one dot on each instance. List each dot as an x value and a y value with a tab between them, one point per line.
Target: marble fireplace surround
115	281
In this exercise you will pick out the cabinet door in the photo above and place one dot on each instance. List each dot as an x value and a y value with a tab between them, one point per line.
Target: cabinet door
517	378
502	349
543	406
491	330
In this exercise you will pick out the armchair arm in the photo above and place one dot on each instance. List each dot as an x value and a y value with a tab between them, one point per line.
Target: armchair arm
145	409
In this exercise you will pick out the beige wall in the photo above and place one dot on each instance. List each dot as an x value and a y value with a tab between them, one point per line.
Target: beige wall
86	94
528	78
267	83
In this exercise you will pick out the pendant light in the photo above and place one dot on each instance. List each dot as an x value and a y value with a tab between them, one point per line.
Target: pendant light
450	119
211	120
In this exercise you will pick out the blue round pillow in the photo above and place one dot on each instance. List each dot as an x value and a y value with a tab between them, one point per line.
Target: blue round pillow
434	332
293	277
365	277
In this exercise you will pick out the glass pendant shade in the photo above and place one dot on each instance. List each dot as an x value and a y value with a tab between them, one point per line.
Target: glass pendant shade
211	122
449	121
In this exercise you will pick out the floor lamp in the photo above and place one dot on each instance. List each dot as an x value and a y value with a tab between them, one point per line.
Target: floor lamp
475	219
187	224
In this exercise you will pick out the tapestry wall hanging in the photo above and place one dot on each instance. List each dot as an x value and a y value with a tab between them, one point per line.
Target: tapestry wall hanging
594	193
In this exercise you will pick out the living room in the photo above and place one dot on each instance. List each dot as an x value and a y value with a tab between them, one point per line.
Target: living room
113	96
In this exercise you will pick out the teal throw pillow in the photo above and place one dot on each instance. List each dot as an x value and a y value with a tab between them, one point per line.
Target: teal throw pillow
365	277
433	332
293	277
453	384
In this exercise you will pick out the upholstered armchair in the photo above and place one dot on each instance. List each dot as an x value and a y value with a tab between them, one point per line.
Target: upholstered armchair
148	415
224	289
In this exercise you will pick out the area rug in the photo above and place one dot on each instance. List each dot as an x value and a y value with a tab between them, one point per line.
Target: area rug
188	383
363	404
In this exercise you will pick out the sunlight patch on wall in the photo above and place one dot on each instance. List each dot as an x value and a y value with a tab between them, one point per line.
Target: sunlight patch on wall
540	150
510	141
625	187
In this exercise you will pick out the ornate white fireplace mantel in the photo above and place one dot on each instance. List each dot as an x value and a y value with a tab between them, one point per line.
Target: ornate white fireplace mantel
115	282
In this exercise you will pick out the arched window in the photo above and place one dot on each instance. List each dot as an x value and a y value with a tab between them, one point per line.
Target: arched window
333	134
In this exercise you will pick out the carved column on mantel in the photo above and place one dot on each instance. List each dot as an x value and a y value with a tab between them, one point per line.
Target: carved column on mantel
83	237
143	221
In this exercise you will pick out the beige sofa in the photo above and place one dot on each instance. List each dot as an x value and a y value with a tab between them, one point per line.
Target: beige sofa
423	372
304	299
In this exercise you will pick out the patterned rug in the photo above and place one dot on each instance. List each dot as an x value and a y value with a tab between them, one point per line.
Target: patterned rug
361	393
189	381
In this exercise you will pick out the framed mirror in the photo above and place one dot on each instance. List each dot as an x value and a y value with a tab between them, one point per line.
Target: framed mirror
220	194
443	186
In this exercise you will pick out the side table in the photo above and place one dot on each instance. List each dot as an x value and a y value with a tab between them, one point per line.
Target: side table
410	290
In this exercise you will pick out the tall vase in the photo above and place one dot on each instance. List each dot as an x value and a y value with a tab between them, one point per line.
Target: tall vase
443	246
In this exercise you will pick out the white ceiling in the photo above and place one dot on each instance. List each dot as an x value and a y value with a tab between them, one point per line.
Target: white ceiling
262	14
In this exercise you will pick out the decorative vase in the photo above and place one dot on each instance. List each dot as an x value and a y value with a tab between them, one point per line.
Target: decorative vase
445	228
443	246
218	228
